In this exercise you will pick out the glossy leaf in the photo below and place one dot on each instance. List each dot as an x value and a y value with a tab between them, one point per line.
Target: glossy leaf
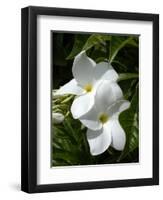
96	39
126	76
129	121
117	43
79	42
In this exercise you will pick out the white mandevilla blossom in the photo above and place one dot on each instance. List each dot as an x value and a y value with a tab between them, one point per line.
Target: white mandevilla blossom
57	118
87	76
102	121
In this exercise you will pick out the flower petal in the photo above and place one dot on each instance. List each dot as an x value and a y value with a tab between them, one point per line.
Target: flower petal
107	93
83	68
119	106
99	140
81	105
118	135
90	120
104	71
70	88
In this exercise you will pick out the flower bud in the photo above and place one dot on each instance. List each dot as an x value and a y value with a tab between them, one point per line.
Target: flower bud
57	118
55	95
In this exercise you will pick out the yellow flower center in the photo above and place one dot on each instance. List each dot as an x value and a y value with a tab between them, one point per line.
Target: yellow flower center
88	87
103	117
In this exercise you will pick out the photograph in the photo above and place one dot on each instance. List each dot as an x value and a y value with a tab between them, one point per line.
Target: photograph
94	98
90	99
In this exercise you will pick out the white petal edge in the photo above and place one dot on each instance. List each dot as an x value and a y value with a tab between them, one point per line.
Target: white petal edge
70	88
104	71
99	140
90	120
119	106
83	68
81	105
106	94
118	135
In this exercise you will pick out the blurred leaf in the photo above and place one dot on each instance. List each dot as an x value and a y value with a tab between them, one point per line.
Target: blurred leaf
129	91
79	41
95	39
129	121
126	76
117	43
83	42
66	156
133	42
70	130
119	65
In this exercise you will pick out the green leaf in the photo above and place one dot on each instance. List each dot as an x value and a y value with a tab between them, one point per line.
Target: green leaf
79	42
128	87
96	39
120	65
133	43
116	44
83	42
70	129
129	121
66	156
126	76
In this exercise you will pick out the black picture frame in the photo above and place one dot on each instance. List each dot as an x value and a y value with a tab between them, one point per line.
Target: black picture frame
29	99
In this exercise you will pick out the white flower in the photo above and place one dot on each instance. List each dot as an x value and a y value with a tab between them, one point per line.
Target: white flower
87	75
57	118
102	122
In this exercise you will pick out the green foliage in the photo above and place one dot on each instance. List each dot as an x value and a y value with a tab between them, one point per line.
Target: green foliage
126	76
69	143
95	43
79	42
96	40
129	122
117	43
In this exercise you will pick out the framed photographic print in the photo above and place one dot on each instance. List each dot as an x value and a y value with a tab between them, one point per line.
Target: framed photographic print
90	99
